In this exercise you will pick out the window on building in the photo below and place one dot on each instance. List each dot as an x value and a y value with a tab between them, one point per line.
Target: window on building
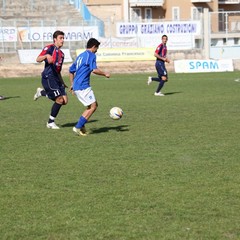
196	13
175	13
148	14
136	15
221	20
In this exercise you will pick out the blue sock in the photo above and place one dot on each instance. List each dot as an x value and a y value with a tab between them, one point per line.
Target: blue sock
81	122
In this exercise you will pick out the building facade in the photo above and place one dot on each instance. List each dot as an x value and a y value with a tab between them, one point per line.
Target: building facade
224	15
149	10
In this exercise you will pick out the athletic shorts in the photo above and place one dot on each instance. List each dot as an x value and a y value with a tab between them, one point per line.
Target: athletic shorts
161	69
52	86
86	96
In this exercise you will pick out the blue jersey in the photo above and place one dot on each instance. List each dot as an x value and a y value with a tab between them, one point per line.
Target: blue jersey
82	67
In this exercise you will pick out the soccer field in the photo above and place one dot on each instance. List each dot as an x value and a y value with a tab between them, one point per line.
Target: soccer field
169	169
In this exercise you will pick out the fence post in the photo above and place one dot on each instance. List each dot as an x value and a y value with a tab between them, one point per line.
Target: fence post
206	26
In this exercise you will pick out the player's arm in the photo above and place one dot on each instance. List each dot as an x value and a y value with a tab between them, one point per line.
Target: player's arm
47	57
101	73
61	79
71	77
165	59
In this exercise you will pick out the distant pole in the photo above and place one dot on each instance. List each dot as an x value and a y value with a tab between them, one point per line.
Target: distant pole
32	5
126	10
206	33
4	6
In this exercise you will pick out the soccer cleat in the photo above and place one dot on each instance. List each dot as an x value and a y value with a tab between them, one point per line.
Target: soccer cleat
83	129
80	131
149	80
52	125
37	94
159	94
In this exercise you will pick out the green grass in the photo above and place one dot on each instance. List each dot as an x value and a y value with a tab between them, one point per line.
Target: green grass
169	169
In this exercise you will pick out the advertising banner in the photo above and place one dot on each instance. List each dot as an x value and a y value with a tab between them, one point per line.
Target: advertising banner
123	54
179	42
195	66
30	55
8	34
118	42
124	29
44	34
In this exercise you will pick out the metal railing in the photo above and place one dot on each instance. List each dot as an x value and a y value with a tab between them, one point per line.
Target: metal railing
87	16
224	29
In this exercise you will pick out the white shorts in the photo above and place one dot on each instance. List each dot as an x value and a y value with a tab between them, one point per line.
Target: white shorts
86	96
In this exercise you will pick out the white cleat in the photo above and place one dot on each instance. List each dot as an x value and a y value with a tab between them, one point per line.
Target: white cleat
52	125
37	94
149	80
159	94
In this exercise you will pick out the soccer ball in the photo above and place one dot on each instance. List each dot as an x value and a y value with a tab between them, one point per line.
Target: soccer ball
116	113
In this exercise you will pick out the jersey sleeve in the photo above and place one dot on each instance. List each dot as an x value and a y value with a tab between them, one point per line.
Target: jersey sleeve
158	49
45	51
72	68
93	63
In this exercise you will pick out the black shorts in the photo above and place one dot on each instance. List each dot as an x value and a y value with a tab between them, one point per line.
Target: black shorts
53	87
161	69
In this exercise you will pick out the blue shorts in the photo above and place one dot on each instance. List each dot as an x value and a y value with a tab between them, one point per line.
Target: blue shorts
161	69
53	87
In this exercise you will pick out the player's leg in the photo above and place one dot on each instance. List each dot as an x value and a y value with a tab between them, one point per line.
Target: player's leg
56	92
162	73
39	93
90	110
160	86
156	79
87	98
54	112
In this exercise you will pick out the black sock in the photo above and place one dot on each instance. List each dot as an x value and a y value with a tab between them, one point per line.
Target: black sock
54	112
160	86
43	93
156	79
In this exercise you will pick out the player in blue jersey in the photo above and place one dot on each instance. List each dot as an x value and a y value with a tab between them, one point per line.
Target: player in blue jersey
161	57
52	81
79	75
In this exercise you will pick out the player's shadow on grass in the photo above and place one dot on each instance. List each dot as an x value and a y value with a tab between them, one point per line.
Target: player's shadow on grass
120	128
6	98
170	93
74	123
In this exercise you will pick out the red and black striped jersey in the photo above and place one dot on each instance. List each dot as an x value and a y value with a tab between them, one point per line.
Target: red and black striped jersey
161	50
58	57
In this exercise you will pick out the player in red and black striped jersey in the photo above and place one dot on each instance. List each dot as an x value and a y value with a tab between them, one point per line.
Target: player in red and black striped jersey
52	81
161	57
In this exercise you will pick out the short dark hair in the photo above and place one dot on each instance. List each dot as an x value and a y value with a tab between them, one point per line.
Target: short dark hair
93	42
164	36
57	33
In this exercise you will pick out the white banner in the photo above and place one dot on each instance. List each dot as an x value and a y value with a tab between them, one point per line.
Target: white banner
44	34
195	66
30	56
158	28
122	54
118	42
8	34
179	42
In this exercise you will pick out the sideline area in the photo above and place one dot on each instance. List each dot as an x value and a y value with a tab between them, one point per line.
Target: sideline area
10	66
